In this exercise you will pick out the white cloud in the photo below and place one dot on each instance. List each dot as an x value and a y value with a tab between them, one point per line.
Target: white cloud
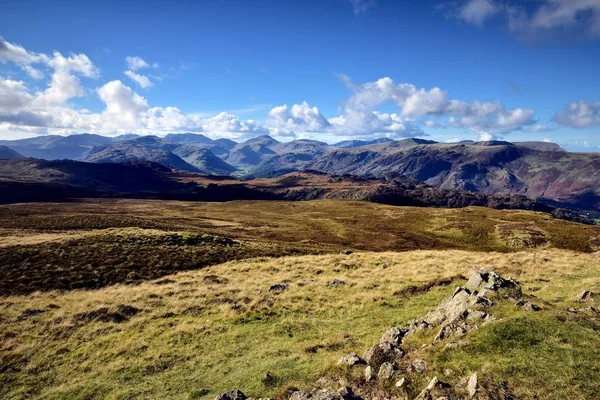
63	87
18	54
434	104
13	95
535	18
285	121
538	128
476	12
122	103
141	80
127	111
75	63
579	114
230	123
135	63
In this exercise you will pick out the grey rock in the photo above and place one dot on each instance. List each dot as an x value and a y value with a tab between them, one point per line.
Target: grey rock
386	371
369	373
456	345
472	385
351	360
420	366
401	382
426	393
526	305
475	317
381	353
585	296
346	252
232	395
335	283
346	393
393	335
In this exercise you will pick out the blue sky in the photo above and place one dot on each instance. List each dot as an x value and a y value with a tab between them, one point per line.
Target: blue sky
445	70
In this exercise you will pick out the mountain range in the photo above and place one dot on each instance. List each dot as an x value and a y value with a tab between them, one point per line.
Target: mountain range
537	170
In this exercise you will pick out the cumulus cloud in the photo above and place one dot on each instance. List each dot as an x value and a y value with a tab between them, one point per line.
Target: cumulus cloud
124	110
535	19
127	111
579	114
434	105
286	121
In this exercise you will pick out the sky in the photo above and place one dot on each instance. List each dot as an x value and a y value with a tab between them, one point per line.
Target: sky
328	70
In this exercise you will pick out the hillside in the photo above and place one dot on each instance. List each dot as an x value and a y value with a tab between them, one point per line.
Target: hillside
186	336
54	147
204	160
571	178
30	180
136	150
538	170
8	153
247	229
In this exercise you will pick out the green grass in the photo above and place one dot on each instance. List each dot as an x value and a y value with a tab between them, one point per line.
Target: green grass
540	355
199	333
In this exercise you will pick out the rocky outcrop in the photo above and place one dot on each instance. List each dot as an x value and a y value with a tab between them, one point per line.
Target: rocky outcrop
468	308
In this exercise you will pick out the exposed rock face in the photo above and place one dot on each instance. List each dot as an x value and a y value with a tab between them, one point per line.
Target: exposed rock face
460	313
466	309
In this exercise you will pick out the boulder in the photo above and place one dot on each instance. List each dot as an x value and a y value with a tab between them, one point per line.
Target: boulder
232	395
351	360
485	280
381	353
335	283
386	371
393	335
472	385
527	306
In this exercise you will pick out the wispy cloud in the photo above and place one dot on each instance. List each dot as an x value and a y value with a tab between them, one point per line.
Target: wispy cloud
533	20
361	6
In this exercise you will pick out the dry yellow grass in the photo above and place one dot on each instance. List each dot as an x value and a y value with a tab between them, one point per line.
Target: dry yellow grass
194	334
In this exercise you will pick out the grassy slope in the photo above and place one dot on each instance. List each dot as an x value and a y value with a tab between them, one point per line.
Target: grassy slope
202	332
